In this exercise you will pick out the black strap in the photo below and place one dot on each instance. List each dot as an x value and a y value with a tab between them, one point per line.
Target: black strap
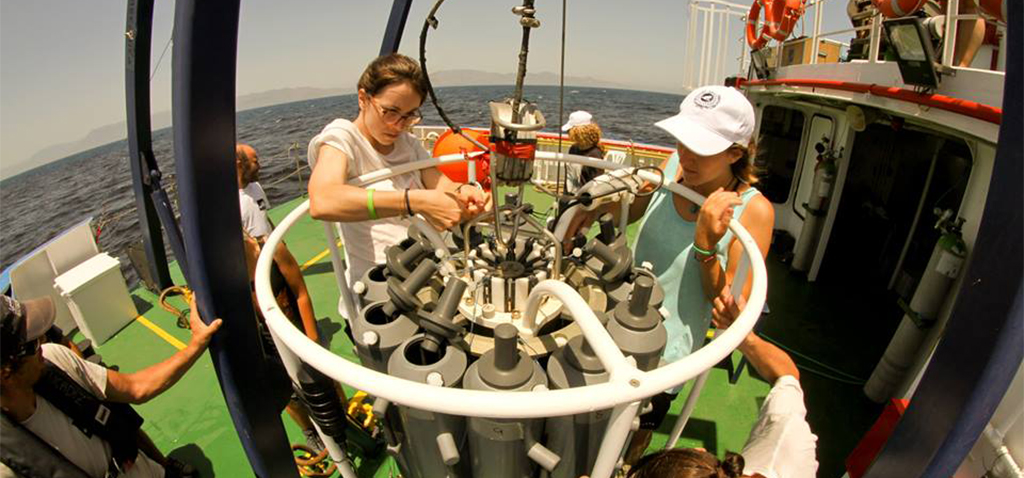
115	423
29	456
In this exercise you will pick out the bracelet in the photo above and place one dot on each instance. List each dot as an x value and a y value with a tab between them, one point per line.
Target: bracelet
697	249
408	205
369	205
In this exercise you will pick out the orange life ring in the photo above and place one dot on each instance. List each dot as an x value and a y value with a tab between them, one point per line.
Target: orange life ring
754	39
897	8
782	17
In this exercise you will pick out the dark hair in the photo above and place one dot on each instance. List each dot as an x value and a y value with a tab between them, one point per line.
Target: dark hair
687	463
744	168
392	69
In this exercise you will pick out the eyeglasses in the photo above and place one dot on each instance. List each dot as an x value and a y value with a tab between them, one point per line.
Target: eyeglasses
28	349
394	116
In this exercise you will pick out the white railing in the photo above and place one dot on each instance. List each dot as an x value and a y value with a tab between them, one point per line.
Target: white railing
705	59
715	26
874	26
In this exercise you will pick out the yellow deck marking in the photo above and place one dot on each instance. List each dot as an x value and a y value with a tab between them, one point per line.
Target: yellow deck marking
161	332
177	343
316	258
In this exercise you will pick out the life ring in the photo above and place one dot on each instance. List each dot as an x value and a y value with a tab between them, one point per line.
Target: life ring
754	39
782	17
897	8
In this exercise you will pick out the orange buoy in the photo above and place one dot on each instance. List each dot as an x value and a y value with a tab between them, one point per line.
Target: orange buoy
756	39
995	8
451	143
897	8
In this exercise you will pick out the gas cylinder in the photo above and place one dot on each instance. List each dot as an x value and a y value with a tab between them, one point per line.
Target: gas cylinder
816	206
944	267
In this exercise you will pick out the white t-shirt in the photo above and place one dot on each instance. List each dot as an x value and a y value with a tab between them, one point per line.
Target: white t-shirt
91	454
781	444
365	241
254	205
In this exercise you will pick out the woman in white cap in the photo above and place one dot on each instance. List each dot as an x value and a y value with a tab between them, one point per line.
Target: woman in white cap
693	253
585	135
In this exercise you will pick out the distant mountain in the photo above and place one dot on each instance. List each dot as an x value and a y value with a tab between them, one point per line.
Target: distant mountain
118	131
476	77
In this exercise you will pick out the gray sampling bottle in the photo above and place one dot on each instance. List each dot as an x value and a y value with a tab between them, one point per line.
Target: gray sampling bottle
378	334
577	438
506	448
432	444
637	328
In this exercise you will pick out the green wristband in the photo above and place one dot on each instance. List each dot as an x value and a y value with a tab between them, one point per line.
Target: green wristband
369	205
702	252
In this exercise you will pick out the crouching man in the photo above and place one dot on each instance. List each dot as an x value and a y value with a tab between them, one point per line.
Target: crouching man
66	417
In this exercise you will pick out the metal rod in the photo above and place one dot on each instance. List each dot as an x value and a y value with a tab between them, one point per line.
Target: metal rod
619	426
687	411
917	215
818	12
949	42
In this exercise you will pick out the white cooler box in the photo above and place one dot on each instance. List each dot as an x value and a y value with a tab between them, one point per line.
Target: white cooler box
97	296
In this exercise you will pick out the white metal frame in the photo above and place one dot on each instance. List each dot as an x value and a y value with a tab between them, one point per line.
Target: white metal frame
626	387
709	66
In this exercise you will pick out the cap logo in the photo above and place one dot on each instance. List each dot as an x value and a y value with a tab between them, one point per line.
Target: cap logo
707	100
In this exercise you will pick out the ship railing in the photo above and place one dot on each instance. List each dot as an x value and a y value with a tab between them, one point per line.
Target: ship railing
712	28
716	41
622	393
875	33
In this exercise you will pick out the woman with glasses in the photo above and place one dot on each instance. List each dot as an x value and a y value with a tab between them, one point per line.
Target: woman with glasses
391	91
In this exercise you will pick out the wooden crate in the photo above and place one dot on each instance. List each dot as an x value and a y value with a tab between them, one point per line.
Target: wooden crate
798	51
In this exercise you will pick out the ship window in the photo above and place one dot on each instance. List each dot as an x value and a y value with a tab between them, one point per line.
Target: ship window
778	149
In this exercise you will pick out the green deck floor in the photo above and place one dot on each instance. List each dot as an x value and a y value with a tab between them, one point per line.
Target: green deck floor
191	421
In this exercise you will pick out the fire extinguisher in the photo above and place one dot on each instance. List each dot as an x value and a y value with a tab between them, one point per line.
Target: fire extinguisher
824	179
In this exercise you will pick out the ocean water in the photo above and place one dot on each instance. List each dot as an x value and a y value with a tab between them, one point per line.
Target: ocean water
37	205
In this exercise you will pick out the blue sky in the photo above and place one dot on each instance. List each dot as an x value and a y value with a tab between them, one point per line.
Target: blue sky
62	72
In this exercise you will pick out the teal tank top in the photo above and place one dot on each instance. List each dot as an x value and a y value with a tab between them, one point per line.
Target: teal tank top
666	241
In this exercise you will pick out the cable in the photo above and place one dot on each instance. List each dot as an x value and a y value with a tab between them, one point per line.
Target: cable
830	368
563	182
431	21
157	67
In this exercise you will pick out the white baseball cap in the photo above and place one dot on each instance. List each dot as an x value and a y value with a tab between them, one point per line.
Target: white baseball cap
711	119
577	118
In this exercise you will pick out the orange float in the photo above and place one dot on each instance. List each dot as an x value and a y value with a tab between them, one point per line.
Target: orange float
451	143
897	8
754	39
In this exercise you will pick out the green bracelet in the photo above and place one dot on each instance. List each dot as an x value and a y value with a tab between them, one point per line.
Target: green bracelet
700	251
369	205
